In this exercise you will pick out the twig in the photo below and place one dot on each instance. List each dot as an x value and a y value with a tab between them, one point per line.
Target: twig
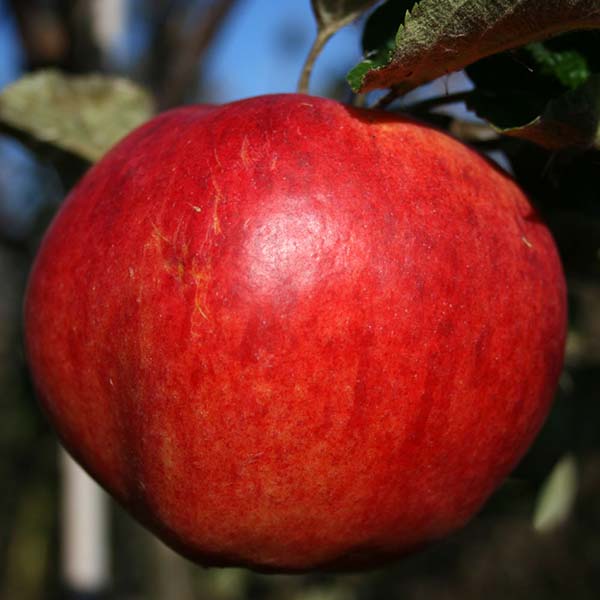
43	34
323	36
386	100
429	103
57	34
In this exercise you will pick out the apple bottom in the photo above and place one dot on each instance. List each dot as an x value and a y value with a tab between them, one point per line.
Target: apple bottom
281	484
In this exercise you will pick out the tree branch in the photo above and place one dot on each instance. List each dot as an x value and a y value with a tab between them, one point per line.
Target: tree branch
182	72
43	34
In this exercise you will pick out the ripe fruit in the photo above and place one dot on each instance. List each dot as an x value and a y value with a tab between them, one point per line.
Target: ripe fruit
289	334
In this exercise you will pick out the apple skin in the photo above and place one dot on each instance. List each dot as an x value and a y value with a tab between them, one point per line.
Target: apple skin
289	334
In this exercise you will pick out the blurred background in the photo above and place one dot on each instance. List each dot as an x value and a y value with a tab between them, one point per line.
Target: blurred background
539	536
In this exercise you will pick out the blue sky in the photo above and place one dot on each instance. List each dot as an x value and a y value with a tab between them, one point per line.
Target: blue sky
260	49
249	56
248	59
10	56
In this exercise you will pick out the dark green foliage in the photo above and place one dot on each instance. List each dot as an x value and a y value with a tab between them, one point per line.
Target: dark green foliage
545	79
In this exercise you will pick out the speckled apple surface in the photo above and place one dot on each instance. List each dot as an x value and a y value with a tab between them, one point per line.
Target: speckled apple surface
289	334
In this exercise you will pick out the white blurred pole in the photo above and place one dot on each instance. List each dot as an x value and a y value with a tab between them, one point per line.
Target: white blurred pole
109	18
85	547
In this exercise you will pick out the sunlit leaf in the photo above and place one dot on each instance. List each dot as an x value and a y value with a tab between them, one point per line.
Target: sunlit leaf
557	496
82	115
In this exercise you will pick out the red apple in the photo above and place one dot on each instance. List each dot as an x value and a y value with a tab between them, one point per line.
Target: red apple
287	334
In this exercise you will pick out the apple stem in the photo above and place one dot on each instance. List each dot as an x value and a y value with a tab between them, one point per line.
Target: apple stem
322	38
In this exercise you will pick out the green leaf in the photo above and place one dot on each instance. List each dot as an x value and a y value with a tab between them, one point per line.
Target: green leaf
80	115
569	67
571	120
511	88
545	69
379	38
557	496
531	93
441	36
